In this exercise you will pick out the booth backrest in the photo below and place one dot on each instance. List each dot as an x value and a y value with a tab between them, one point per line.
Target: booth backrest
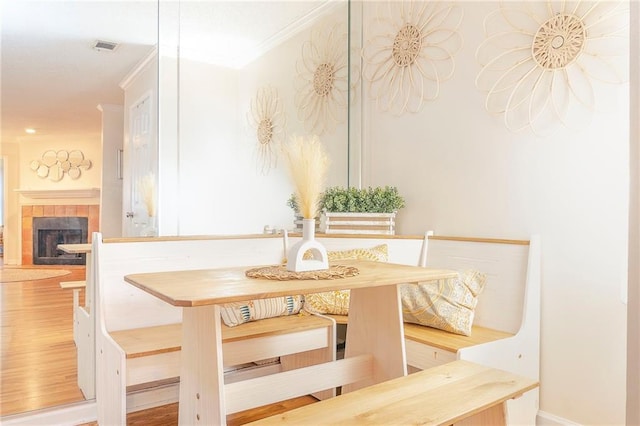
405	250
501	304
124	306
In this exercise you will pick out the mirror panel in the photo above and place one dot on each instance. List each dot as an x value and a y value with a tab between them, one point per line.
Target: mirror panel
263	69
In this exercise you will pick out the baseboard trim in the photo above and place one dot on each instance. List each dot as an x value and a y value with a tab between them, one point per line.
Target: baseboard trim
67	415
548	419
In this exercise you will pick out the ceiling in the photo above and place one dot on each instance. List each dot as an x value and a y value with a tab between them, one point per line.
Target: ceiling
53	79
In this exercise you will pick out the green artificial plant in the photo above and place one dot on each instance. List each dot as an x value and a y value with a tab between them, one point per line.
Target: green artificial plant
352	200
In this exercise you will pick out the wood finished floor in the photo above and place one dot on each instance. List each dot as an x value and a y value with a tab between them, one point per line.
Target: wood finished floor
38	356
167	415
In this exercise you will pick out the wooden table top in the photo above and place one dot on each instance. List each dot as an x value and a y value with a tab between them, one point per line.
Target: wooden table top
75	248
218	286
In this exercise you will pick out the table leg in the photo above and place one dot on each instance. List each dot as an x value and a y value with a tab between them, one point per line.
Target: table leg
495	415
375	327
201	373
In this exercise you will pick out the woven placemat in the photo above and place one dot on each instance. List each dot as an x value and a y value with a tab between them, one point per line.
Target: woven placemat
279	272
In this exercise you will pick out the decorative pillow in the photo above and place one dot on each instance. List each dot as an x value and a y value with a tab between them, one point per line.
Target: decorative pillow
251	310
337	302
448	304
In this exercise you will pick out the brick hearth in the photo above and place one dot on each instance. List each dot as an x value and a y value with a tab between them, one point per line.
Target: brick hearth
92	212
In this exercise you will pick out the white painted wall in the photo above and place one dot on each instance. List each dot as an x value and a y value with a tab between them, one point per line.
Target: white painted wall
463	173
12	220
33	150
633	309
111	183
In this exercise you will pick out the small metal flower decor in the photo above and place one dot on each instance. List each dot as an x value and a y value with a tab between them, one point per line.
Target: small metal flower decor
542	62
268	119
411	54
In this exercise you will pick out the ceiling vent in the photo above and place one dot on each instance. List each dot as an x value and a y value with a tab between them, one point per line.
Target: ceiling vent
106	46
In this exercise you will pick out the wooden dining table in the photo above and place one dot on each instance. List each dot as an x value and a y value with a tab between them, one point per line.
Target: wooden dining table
374	352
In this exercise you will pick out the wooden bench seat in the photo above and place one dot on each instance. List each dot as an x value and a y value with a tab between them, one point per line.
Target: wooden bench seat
443	339
449	341
76	286
73	284
147	341
459	392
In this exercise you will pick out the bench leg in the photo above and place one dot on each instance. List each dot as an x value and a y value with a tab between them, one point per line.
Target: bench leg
111	383
76	303
375	327
201	372
86	353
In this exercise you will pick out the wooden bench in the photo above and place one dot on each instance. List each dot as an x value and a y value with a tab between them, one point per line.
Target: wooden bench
84	323
506	331
76	286
460	393
139	336
241	345
73	284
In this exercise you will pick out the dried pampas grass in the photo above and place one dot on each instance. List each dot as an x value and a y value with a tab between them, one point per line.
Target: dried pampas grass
147	188
308	163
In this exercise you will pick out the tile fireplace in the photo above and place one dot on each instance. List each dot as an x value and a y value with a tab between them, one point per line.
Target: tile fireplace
48	232
46	226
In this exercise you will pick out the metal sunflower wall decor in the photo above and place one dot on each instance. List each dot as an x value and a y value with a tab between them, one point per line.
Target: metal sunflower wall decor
322	82
541	60
268	119
411	54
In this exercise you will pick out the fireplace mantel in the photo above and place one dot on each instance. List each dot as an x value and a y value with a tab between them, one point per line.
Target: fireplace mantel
60	193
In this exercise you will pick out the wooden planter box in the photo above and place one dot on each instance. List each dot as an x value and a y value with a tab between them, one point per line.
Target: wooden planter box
358	223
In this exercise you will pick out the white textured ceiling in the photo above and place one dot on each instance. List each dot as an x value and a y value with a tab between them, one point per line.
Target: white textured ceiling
53	80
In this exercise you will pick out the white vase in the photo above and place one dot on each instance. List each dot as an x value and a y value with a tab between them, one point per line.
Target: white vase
318	260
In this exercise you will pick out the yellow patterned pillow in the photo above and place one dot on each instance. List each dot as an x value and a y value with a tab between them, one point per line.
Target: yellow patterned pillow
337	302
251	310
448	304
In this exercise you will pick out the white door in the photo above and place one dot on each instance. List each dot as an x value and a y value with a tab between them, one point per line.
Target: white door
140	176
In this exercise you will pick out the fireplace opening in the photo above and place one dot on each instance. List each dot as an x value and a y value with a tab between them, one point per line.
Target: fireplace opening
48	232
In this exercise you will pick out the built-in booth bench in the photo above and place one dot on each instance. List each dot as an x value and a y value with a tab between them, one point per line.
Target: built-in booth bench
76	287
506	327
138	336
83	320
